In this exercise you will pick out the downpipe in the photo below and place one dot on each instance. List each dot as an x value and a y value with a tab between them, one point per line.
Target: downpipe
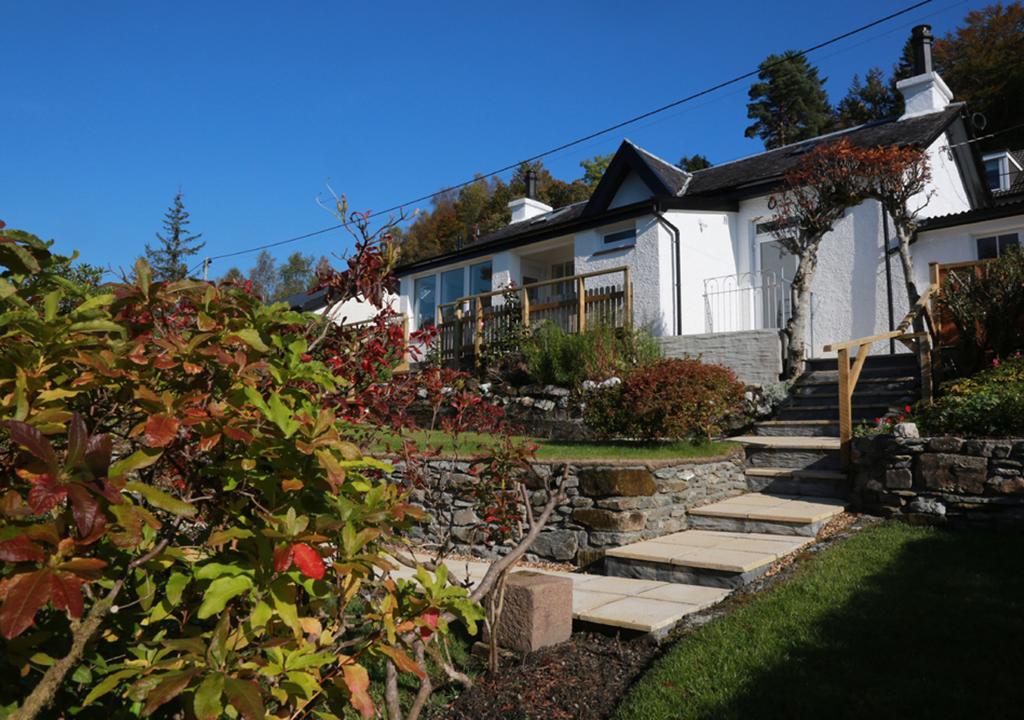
677	294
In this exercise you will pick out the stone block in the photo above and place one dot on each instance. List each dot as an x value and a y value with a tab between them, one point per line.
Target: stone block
537	611
609	520
945	445
899	479
556	544
606	481
952	473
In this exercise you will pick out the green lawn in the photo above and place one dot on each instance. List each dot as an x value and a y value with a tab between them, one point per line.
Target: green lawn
896	622
470	443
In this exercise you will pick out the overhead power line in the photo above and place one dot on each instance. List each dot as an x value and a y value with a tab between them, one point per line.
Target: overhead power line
590	136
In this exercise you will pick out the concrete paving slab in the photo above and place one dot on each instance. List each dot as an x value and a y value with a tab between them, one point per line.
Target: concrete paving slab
617	585
634	613
698	595
583	601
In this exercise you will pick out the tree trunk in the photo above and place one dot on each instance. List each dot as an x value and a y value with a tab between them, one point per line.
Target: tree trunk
904	236
796	327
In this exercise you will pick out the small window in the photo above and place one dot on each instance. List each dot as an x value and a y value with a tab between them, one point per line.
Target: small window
621	236
480	280
995	246
994	173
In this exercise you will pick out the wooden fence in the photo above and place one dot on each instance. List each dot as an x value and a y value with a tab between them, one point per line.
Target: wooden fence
467	325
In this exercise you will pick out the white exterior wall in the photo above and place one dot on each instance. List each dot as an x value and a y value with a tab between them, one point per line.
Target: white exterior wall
646	262
957	244
708	248
947	194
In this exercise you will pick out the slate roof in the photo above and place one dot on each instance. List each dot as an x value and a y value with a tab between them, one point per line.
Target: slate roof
1001	197
769	166
721	181
307	300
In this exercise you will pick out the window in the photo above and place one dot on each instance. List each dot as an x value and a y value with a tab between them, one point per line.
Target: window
621	236
995	246
425	300
453	285
561	270
994	173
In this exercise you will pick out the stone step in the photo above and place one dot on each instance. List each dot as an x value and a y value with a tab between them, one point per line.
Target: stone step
763	513
710	558
644	605
800	428
864	386
797	452
900	360
889	398
880	373
830	411
787	481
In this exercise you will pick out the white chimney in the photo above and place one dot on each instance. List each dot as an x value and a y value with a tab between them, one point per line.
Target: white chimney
527	207
925	92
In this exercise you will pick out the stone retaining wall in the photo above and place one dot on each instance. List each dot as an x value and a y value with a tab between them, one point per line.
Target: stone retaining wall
940	479
609	503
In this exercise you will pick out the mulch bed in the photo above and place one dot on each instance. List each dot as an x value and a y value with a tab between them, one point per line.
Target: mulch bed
581	679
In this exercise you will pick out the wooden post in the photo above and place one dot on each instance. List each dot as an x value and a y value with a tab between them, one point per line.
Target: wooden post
924	358
845	406
627	290
478	336
581	310
458	337
526	308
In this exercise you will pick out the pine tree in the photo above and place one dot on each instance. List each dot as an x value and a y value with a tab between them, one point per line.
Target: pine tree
169	258
874	99
788	103
693	163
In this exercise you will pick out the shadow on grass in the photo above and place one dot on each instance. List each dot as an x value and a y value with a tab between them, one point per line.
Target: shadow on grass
921	624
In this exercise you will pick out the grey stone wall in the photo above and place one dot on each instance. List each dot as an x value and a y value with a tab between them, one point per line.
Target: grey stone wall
754	355
940	479
609	504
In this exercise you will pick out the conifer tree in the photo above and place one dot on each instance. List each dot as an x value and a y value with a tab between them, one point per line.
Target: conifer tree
169	259
788	103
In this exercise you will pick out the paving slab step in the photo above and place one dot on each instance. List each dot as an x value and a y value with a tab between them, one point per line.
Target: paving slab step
878	373
797	428
788	481
799	452
761	512
644	605
710	558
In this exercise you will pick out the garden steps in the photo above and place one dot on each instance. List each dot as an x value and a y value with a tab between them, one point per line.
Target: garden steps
789	481
797	428
650	606
787	451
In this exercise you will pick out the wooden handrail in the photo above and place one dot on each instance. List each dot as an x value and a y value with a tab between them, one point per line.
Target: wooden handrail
919	342
540	283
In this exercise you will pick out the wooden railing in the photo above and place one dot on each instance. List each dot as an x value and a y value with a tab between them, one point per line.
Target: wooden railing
572	303
920	340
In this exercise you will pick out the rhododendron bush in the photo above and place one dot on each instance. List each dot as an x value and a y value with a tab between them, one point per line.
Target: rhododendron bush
189	524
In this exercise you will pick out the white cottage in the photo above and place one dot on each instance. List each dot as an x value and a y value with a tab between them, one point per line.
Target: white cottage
692	256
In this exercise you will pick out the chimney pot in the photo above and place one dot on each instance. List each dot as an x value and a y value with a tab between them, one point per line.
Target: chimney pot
921	40
531	184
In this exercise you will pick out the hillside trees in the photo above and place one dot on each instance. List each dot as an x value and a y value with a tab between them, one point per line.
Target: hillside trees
458	217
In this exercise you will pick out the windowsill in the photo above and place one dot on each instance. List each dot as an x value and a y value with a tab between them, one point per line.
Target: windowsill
610	251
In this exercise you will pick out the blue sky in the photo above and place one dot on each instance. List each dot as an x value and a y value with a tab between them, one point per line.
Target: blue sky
109	107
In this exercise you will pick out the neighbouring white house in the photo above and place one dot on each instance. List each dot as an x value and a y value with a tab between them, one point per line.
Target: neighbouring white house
692	256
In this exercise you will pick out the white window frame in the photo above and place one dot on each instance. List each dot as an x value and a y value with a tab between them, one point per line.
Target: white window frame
1015	230
1004	159
437	273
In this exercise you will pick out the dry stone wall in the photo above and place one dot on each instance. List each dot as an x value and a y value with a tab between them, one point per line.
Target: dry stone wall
608	504
940	479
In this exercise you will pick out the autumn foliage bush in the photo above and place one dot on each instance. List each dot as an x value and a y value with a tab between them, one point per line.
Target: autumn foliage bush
672	398
188	524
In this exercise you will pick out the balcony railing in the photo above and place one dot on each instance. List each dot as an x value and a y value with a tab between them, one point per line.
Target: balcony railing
467	325
746	301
